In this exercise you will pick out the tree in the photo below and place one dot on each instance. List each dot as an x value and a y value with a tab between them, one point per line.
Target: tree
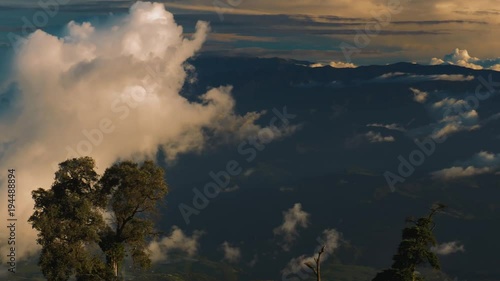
134	192
414	249
73	233
68	219
317	267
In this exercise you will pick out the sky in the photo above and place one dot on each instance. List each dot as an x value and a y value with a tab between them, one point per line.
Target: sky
360	32
109	92
96	73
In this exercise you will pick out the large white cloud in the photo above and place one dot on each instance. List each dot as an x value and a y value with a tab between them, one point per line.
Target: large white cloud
110	92
462	58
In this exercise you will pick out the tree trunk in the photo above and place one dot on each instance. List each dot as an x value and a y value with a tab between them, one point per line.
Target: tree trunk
113	266
316	268
318	264
115	269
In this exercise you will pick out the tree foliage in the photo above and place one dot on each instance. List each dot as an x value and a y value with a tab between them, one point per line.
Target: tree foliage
133	193
76	238
414	250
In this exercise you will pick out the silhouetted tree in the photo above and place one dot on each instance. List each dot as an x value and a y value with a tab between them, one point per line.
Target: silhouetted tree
67	217
413	250
316	268
70	218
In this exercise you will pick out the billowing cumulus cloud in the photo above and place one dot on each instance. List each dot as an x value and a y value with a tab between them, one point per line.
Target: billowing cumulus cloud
111	93
293	219
176	242
462	58
448	248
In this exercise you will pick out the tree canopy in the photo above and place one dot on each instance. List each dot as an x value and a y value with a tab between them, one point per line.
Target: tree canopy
88	224
414	249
